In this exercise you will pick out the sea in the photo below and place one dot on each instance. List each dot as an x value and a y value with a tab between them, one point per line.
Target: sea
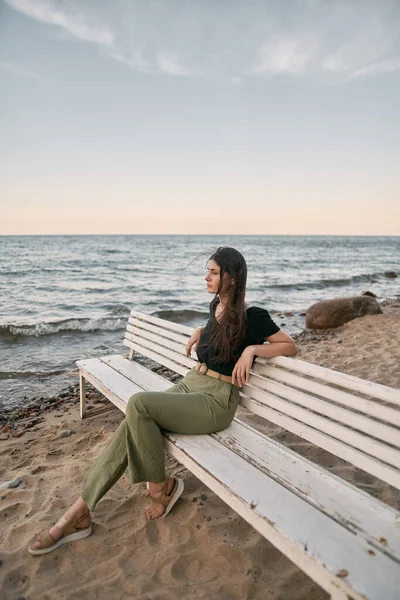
65	298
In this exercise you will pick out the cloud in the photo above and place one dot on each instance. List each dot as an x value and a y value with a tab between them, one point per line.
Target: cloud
285	55
72	22
19	71
169	64
133	59
338	40
378	68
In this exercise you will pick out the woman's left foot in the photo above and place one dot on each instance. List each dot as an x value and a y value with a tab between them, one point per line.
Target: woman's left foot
163	502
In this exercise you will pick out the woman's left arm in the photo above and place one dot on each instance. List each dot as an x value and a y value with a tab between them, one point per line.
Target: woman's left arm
280	344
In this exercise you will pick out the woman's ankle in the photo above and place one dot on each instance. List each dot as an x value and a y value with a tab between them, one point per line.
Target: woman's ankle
158	489
78	510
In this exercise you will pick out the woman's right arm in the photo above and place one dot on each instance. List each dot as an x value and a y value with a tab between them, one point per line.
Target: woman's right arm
194	338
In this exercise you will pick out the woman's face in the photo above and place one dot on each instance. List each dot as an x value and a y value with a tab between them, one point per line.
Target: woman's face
213	278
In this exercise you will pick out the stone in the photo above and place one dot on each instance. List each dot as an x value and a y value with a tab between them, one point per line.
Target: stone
4	436
11	484
370	294
66	433
17	434
328	314
391	274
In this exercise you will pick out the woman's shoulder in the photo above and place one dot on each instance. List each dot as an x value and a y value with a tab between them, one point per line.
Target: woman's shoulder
256	310
259	319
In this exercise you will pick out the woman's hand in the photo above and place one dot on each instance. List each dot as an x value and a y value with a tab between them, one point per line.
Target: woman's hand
193	340
241	371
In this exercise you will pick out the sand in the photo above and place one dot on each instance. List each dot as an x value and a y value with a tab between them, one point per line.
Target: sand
203	549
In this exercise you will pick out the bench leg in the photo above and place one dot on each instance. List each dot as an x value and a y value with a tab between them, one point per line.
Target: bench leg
82	387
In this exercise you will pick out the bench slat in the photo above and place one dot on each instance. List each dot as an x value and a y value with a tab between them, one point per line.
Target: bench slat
352	455
167	325
365	405
375	448
142	335
170	335
369	388
178	368
147	380
345	416
176	357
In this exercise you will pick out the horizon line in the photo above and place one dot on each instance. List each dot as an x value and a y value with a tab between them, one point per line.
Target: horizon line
200	234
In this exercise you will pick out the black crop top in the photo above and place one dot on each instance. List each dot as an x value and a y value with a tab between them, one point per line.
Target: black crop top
258	327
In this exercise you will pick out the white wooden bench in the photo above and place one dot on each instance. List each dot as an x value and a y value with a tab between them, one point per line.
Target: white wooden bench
343	538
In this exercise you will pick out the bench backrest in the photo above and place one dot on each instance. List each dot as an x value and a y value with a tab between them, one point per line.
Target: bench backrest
357	420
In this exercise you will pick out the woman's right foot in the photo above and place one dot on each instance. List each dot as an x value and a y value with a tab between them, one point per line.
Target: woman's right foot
74	525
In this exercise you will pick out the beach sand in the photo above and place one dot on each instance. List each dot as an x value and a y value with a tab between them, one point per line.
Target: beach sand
203	549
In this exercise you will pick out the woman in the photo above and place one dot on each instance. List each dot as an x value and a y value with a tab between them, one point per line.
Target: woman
204	401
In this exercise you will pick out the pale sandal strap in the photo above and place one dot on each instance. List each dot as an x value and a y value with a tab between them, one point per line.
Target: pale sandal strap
62	523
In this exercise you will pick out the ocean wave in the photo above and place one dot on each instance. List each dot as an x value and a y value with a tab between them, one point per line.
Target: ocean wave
180	315
84	325
29	374
326	283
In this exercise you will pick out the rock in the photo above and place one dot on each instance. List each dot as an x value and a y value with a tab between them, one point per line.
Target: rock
288	313
10	485
14	484
370	294
333	313
66	433
4	436
391	274
6	428
17	433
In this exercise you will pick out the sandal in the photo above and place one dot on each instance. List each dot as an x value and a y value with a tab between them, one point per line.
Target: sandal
71	533
169	500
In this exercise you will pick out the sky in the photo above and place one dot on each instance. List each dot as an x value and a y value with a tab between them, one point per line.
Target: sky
200	117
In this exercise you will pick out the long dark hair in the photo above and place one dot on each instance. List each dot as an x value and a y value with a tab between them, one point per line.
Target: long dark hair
230	330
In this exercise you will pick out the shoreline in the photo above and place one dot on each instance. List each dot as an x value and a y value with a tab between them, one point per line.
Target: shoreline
203	550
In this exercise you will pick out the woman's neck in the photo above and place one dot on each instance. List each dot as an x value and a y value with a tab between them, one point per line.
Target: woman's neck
223	300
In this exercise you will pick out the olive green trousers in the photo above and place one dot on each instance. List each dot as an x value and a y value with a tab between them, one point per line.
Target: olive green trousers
198	404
